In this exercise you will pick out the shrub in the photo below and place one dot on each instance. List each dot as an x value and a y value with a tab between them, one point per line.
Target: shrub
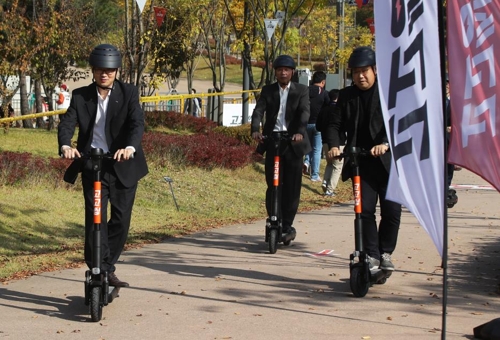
241	133
206	151
231	60
209	147
23	167
261	64
177	121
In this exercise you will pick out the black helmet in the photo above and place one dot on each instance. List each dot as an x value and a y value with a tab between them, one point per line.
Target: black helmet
105	56
284	61
361	57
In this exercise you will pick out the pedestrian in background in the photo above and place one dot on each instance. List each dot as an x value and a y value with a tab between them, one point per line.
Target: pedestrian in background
318	98
64	97
333	167
193	104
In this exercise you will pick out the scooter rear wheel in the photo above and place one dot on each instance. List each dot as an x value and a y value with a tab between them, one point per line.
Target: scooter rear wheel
359	282
95	304
273	241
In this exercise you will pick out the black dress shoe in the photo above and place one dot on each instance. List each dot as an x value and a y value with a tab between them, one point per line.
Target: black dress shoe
115	281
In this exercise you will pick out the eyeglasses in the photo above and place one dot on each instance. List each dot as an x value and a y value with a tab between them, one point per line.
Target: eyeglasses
108	71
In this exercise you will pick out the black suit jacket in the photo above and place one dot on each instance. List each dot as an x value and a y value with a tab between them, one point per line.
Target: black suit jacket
296	115
345	120
124	126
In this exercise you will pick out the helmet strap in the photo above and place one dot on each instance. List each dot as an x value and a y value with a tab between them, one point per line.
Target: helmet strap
104	87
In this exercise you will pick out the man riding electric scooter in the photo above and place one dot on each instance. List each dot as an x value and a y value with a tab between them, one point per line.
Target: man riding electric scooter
359	116
109	117
284	108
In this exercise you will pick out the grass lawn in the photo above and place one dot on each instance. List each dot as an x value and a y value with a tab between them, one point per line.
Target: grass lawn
41	223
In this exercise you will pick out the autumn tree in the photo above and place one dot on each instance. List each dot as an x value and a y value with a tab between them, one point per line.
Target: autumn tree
137	41
212	18
242	20
174	44
15	48
62	38
296	12
320	34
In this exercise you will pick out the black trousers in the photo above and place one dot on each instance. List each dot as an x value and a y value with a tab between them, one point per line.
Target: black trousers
374	181
451	171
114	232
291	181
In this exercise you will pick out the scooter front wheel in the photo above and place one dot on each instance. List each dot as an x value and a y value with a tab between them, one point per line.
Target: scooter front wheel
273	241
359	282
95	304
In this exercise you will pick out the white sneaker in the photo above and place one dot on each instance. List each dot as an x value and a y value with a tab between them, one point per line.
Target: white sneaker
305	169
324	187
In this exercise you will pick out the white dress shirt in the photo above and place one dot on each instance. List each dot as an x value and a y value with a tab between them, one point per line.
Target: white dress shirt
99	137
280	121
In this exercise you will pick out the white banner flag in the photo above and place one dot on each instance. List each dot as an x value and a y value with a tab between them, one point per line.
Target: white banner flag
141	4
409	78
270	27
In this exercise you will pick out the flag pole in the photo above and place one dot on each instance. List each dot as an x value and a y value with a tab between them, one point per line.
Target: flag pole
444	265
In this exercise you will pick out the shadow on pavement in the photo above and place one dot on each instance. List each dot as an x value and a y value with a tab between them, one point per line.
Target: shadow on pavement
72	308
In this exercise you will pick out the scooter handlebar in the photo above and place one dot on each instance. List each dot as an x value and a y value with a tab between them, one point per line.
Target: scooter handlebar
354	151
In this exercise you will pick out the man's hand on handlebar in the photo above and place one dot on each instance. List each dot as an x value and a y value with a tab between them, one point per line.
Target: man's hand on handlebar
379	150
122	155
297	137
332	153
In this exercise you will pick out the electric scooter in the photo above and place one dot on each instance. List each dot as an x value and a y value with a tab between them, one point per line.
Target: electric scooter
274	223
97	289
361	277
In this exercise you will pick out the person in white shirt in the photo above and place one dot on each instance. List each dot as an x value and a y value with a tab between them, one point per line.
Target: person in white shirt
64	97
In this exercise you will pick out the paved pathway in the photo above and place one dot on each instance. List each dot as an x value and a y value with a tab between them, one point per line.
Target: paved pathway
223	284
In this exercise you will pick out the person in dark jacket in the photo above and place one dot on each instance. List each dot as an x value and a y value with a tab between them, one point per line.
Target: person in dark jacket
318	99
333	167
109	116
285	107
360	117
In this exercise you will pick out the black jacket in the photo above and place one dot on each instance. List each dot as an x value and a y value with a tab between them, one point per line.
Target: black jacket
318	98
345	120
296	115
124	127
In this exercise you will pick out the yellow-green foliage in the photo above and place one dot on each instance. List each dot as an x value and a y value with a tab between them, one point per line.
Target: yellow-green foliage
242	133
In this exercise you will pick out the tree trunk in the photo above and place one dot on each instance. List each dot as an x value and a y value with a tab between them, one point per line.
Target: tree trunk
52	122
39	103
23	90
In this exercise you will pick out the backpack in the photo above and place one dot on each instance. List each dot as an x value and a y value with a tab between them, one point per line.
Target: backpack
60	100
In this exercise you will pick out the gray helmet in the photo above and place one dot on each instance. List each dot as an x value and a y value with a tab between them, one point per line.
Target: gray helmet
361	57
105	56
284	61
